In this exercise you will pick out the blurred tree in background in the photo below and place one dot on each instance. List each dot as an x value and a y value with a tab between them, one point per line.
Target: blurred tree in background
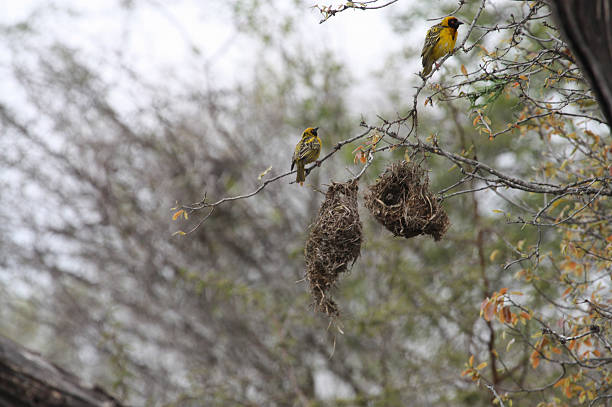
516	295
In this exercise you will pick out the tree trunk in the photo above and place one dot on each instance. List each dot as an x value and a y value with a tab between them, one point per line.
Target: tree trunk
587	26
26	379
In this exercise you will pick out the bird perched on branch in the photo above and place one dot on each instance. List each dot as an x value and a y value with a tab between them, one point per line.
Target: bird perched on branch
306	151
440	41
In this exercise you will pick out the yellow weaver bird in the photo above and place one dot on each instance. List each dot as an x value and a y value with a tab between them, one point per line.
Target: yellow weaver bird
306	151
440	41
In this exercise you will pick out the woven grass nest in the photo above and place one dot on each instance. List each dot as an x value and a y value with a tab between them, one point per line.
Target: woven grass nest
401	201
333	244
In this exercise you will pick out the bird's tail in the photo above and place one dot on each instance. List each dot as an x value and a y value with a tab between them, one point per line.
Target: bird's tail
426	69
301	174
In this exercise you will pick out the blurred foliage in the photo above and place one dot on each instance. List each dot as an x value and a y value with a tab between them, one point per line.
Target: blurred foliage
95	281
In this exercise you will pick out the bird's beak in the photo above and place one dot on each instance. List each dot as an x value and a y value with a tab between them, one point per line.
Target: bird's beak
460	22
316	128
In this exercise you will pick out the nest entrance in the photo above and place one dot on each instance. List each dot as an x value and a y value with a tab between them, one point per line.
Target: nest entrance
333	244
401	201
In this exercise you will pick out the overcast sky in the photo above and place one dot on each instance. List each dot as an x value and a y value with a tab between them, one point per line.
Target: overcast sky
157	39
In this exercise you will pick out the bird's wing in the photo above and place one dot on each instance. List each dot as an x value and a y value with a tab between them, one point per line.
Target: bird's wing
296	152
433	35
308	146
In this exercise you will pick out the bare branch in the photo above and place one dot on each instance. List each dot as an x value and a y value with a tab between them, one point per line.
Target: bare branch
329	11
197	206
501	402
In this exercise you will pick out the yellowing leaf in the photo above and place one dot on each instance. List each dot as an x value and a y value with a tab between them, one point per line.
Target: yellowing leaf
497	211
523	77
509	345
494	254
263	174
505	315
481	366
489	311
179	232
535	359
463	70
516	293
177	214
471	361
558	202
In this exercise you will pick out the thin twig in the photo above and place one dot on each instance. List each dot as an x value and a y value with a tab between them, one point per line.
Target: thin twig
501	402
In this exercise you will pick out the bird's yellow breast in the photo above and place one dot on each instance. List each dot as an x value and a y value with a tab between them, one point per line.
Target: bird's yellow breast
313	139
446	43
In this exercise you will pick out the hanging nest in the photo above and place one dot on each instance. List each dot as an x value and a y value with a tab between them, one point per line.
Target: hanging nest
401	200
334	243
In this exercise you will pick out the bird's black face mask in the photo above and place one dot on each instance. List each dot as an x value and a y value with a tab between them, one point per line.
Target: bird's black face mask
454	23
